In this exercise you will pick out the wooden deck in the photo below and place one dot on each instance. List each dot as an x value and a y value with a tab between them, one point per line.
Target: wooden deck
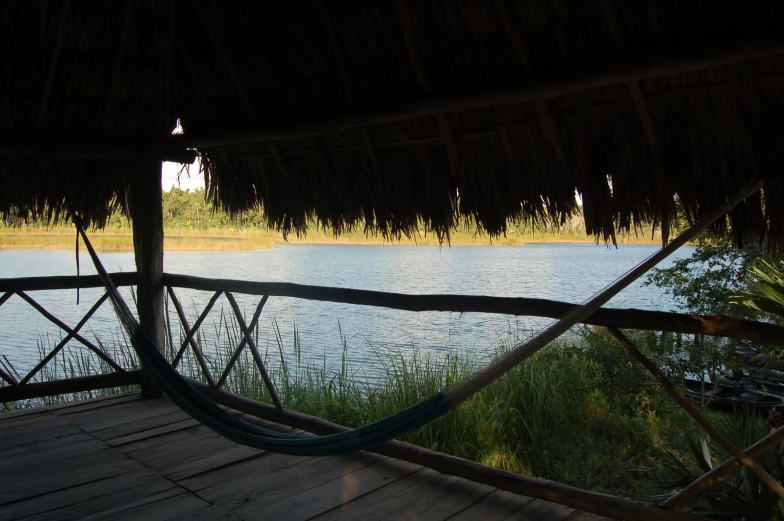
126	458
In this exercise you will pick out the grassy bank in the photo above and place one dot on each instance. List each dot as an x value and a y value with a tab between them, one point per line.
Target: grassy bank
192	223
232	239
122	240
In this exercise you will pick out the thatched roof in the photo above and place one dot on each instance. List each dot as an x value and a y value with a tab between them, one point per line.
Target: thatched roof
389	110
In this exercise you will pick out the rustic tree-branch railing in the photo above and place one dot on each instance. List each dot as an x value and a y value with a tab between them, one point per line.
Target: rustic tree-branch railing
26	387
714	325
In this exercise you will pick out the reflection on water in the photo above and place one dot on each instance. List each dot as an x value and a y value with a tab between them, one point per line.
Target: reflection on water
571	272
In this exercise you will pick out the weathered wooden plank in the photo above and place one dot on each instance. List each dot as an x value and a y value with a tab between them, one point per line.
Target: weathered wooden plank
29	419
30	434
92	413
193	466
66	474
498	505
140	424
286	483
69	407
165	458
317	500
98	420
579	515
156	507
154	432
136	424
276	477
210	513
100	402
10	416
544	510
50	450
435	500
161	428
52	456
371	504
88	498
271	425
143	448
10	422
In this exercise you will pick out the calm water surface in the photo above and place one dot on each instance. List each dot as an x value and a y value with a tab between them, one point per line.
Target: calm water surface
570	272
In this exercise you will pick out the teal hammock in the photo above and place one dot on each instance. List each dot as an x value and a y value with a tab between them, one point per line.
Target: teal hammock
208	413
205	411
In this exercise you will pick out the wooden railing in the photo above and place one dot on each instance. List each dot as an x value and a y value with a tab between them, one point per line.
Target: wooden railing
22	387
16	387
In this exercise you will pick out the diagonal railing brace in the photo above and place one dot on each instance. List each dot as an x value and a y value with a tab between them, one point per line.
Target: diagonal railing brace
189	335
194	346
254	321
59	323
256	356
65	340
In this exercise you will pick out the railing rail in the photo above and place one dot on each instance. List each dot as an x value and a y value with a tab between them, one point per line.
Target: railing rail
25	387
64	282
713	325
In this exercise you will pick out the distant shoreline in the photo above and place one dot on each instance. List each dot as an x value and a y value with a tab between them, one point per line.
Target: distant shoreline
240	240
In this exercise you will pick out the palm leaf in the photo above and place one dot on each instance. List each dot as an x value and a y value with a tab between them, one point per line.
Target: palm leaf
767	290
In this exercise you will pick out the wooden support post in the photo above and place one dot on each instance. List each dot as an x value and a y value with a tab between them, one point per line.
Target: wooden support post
146	201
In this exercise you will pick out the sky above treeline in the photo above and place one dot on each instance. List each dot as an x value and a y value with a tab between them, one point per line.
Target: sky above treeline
190	179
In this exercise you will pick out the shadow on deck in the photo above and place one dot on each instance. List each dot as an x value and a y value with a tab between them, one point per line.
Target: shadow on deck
126	458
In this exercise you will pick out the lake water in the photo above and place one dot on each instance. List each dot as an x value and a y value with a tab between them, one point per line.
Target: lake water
569	272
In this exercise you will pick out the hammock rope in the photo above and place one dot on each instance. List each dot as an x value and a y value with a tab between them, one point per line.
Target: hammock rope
204	410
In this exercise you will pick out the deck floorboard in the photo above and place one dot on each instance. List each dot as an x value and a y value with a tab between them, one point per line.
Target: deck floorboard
125	458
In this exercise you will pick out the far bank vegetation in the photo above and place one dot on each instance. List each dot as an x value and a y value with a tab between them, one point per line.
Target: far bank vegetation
191	223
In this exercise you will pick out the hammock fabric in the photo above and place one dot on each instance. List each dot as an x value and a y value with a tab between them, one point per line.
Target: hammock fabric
207	412
204	410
